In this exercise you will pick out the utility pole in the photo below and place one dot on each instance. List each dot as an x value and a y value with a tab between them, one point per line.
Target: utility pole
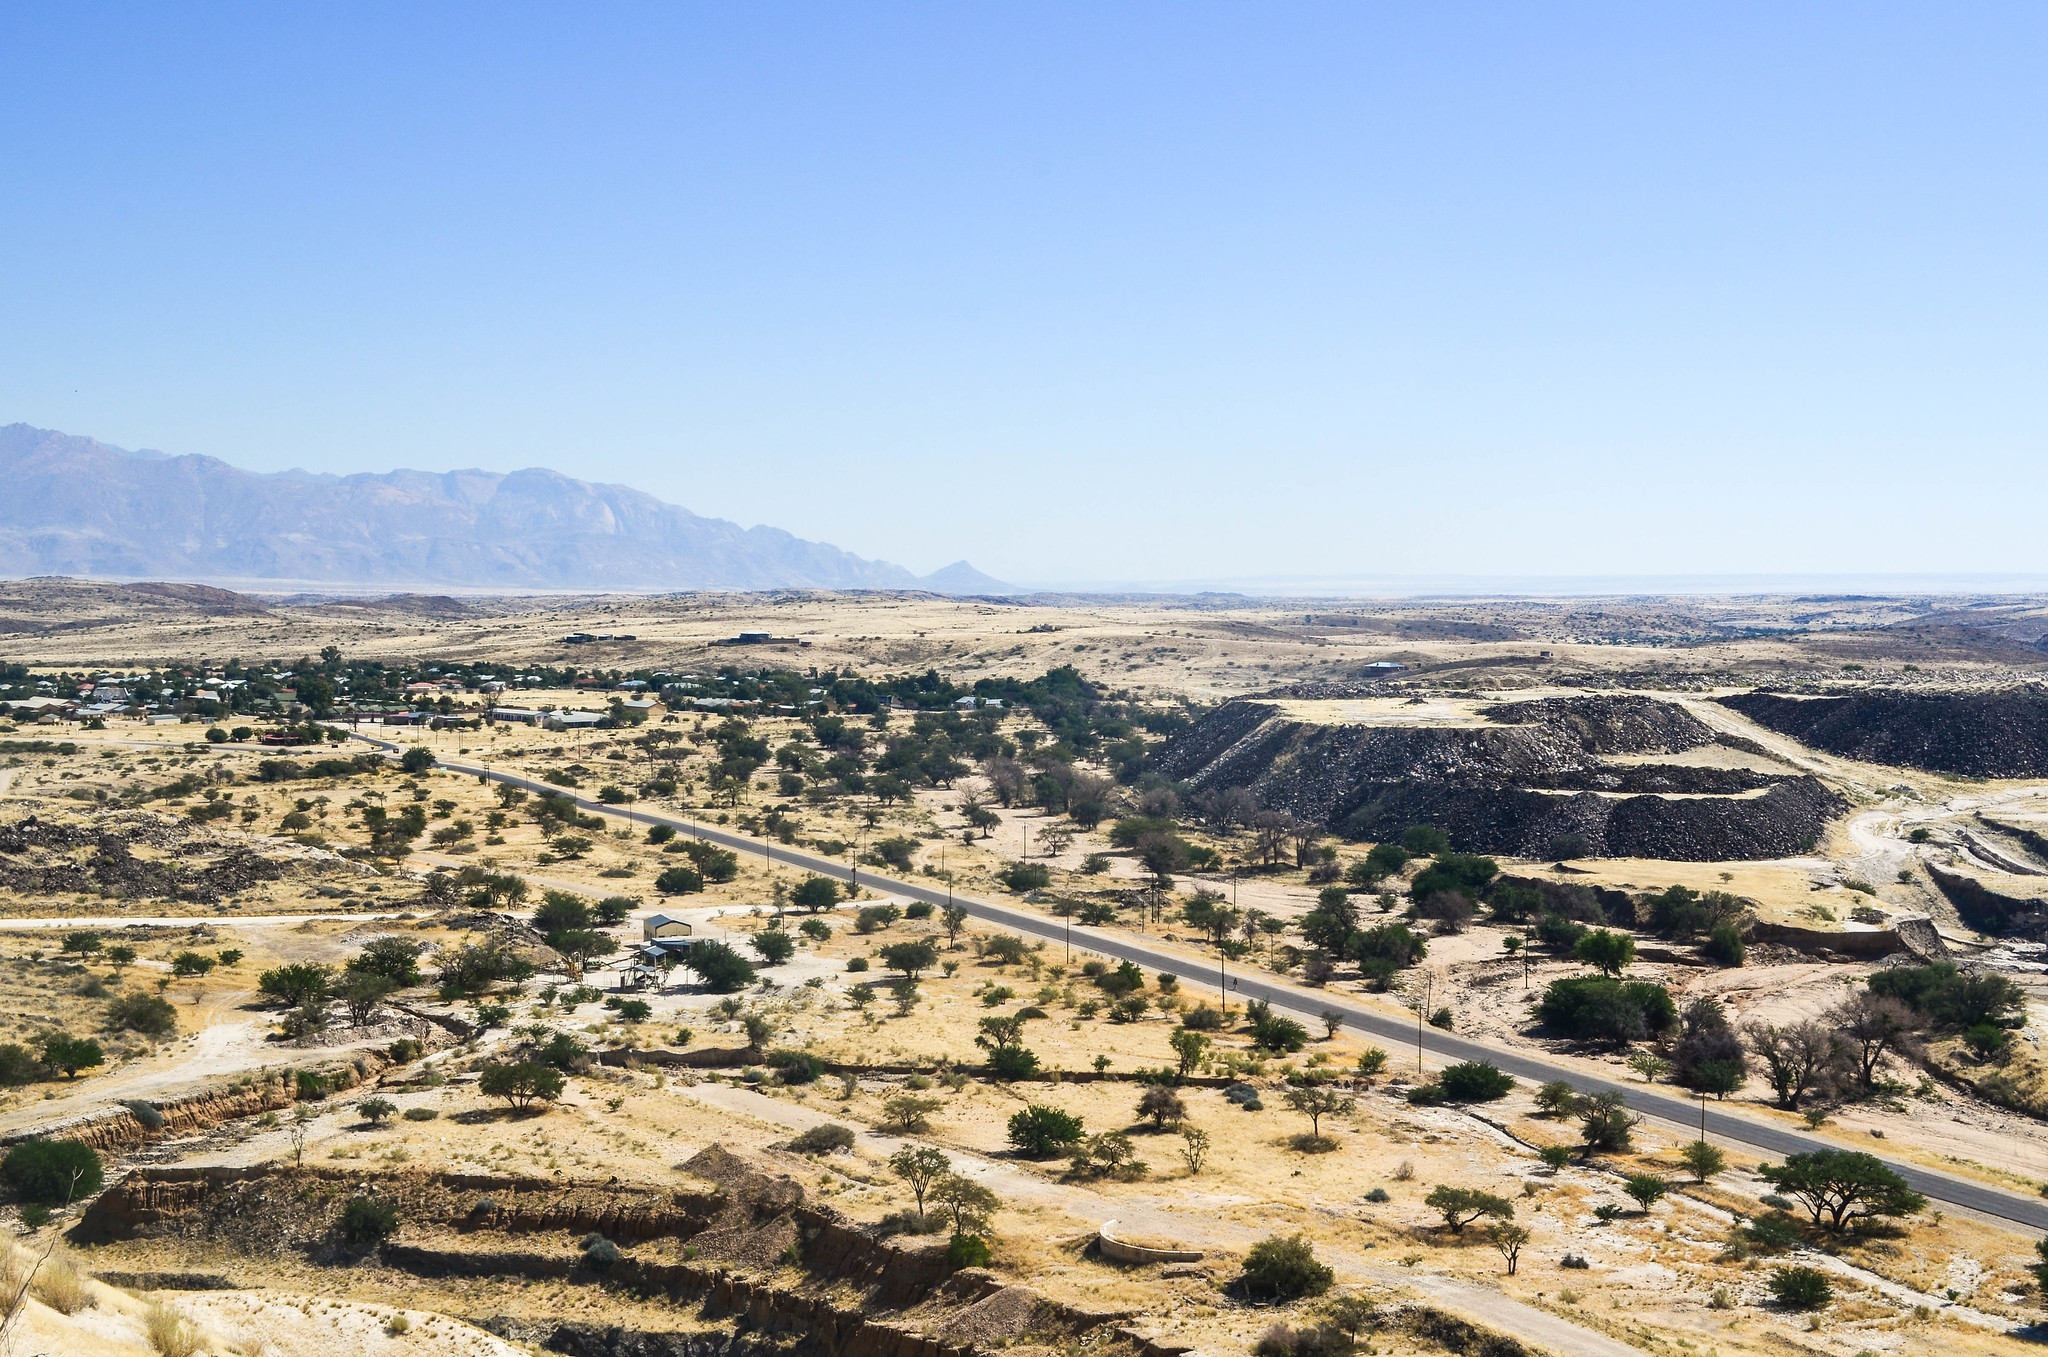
1428	990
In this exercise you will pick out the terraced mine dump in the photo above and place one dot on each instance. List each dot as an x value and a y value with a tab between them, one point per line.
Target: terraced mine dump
1612	776
1992	734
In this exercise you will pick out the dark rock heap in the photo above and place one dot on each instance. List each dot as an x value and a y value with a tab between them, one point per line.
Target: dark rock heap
1993	734
1537	771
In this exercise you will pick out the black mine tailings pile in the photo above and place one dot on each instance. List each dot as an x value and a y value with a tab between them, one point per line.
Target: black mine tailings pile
2000	734
1530	772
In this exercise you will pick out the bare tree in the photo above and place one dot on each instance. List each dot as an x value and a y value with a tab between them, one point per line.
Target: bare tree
1006	779
1875	1026
1271	827
1302	836
1795	1057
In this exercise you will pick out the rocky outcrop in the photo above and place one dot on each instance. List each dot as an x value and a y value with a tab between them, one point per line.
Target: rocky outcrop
753	1218
1997	734
1989	911
1863	944
121	1127
1531	773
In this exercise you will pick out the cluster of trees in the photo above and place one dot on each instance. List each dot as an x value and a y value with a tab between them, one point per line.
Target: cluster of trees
574	926
708	862
963	1204
66	1054
1843	1054
1840	1055
1381	950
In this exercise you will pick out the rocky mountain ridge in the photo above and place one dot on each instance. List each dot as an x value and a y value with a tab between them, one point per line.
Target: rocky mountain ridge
76	506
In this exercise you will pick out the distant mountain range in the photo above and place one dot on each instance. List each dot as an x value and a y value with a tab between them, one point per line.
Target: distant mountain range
75	506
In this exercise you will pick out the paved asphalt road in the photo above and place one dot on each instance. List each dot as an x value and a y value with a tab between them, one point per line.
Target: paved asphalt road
1762	1138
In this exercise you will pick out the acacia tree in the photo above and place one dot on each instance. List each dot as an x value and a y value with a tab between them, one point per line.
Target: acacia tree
1188	1049
970	1204
1317	1101
1463	1205
522	1084
1839	1187
919	1166
1509	1237
1163	1106
910	957
1606	951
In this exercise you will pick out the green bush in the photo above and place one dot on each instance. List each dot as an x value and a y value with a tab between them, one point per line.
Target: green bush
773	946
1041	1132
797	1067
1724	946
679	880
52	1172
1594	1008
1274	1033
1774	1233
145	1013
1425	840
295	984
18	1065
1801	1288
829	1138
72	1054
368	1220
967	1250
1475	1081
1454	874
815	893
419	1114
1009	1063
1019	877
874	918
1285	1268
722	969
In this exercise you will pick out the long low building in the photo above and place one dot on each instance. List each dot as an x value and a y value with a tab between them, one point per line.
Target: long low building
515	715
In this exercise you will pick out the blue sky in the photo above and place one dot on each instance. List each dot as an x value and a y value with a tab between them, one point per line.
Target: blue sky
1081	293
